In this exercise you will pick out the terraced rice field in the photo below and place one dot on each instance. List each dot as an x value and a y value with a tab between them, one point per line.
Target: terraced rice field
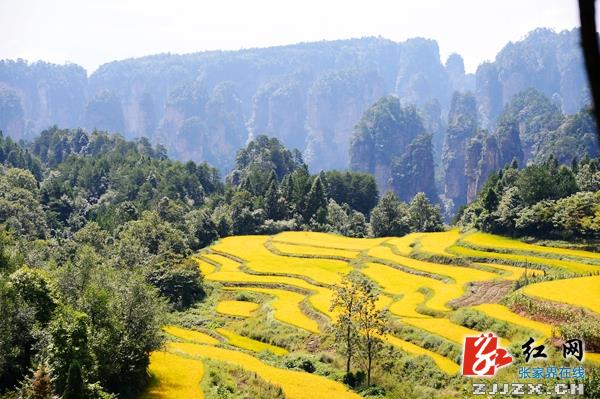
294	275
174	377
249	343
582	291
237	308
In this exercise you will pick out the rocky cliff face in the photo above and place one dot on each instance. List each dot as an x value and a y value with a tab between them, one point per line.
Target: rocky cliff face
547	61
336	102
390	143
462	126
205	106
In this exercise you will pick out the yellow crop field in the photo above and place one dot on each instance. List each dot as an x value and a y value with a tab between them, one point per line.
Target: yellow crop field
249	343
442	327
298	269
398	282
205	267
295	384
190	335
442	362
237	308
575	267
287	307
404	245
501	312
511	273
492	241
327	240
260	259
438	243
459	274
226	264
298	249
174	377
580	291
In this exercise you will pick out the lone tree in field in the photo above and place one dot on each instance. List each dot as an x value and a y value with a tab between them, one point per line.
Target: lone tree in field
371	323
359	325
345	302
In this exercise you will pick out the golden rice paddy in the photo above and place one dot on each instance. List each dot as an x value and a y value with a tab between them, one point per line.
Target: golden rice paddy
297	272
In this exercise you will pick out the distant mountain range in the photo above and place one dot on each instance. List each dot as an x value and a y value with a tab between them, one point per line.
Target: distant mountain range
205	106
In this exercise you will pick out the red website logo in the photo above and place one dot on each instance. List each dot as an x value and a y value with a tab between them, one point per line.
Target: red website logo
482	356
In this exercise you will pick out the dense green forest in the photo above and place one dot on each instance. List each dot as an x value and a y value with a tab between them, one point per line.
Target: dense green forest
545	200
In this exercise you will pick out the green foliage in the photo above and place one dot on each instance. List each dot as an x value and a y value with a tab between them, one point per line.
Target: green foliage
542	200
181	284
358	190
423	216
75	388
390	217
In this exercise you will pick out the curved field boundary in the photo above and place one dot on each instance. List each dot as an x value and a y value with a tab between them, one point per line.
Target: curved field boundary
174	377
259	259
444	328
398	282
295	384
531	261
304	251
402	245
237	308
459	274
204	266
502	244
326	240
250	344
501	312
445	364
190	335
287	307
438	243
408	270
579	292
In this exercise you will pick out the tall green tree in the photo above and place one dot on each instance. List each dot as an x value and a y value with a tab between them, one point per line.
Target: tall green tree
390	217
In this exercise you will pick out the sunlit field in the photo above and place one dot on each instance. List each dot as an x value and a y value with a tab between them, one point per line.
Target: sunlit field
291	278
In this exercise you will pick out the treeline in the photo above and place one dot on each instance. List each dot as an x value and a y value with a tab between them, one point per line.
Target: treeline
95	235
271	190
544	200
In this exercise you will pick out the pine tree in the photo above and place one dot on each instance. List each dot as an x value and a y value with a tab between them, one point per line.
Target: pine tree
273	202
316	203
75	388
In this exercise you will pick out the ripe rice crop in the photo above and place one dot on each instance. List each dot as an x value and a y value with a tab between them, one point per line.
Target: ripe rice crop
438	243
174	377
316	252
580	291
249	343
404	245
442	327
491	241
205	267
295	384
190	335
237	308
574	267
260	259
327	240
510	272
459	274
501	312
398	282
287	307
445	364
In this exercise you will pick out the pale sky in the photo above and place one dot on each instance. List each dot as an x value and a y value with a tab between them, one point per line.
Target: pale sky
91	33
